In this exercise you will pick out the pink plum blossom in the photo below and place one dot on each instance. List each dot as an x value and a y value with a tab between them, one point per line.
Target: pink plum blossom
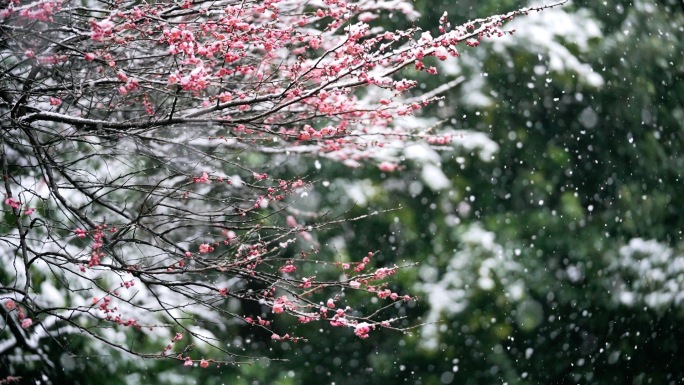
13	203
202	179
205	248
278	308
362	329
387	166
10	305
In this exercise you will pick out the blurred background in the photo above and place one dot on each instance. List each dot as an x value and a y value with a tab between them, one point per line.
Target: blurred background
548	234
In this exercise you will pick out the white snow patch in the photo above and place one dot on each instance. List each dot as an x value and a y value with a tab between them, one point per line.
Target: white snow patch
434	177
648	273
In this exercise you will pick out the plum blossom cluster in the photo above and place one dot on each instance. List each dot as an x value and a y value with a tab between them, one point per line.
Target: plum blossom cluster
330	311
182	356
112	313
274	193
9	380
39	10
15	204
259	69
159	130
12	307
97	235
